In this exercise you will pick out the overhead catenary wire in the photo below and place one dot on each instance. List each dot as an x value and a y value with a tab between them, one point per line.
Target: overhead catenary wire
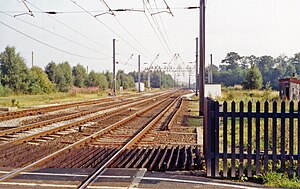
93	11
58	35
106	26
163	26
51	46
72	29
30	12
128	32
153	28
158	28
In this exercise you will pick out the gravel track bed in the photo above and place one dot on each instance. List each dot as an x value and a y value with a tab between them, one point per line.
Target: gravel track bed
66	112
22	120
112	136
56	125
133	126
22	154
178	133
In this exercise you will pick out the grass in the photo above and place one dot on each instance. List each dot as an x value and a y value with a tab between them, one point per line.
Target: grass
231	94
193	118
280	180
54	98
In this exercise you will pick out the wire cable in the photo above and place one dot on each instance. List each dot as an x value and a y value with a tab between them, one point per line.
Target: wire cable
53	47
163	26
106	26
58	35
153	28
69	27
158	28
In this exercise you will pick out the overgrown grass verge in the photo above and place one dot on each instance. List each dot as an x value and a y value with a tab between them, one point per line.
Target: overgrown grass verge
280	180
53	98
193	119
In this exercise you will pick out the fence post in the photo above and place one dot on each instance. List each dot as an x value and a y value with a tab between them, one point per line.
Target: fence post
207	137
291	140
216	138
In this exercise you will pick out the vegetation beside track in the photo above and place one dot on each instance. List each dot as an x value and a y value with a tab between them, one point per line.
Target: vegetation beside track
53	98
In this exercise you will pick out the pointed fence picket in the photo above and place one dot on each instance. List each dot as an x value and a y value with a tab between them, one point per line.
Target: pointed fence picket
251	138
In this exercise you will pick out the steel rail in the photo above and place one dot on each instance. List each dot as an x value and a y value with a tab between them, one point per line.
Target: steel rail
174	115
129	144
35	111
55	120
80	142
76	123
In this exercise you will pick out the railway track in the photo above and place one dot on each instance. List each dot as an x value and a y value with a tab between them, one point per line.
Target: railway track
20	134
114	144
77	143
42	110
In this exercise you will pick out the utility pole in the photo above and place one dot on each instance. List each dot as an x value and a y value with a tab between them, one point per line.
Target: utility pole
202	57
87	69
197	62
31	58
189	80
160	74
139	73
210	71
114	67
174	79
149	82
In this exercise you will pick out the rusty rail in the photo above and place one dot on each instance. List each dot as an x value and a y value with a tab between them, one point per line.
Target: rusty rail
80	142
129	144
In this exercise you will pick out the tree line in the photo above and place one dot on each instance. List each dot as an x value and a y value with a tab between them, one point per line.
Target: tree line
17	78
255	72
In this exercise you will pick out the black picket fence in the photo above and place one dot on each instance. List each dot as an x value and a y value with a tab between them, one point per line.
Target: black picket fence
247	139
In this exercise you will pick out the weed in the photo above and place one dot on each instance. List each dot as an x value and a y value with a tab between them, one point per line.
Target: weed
280	180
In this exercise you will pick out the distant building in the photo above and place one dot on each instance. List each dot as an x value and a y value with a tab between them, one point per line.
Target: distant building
289	88
212	90
142	86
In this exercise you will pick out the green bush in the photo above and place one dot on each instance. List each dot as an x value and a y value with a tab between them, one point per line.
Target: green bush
5	91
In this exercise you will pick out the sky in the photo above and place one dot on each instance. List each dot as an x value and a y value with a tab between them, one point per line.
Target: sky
248	27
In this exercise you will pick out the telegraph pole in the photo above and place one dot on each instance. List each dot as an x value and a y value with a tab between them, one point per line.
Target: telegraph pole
160	78
202	57
197	75
31	58
149	81
211	70
189	81
114	67
139	73
87	69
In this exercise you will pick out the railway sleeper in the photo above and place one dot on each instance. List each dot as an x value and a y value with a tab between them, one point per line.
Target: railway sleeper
167	158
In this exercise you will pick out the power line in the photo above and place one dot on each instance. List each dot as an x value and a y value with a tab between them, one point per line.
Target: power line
129	33
163	45
158	28
106	26
55	34
162	23
30	12
58	49
69	27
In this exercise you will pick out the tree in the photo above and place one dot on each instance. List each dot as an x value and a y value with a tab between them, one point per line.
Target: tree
60	75
109	79
80	75
296	62
125	80
14	72
39	82
253	78
232	61
50	71
97	80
